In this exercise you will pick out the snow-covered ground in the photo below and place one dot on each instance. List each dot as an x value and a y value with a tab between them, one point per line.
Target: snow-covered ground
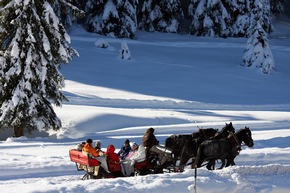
176	84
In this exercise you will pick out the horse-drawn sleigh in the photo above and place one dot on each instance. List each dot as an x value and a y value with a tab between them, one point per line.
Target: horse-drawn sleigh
206	145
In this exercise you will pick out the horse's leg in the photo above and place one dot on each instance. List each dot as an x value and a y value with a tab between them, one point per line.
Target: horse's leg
230	162
211	164
233	163
184	157
223	164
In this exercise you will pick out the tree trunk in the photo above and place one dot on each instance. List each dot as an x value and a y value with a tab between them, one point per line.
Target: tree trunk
18	131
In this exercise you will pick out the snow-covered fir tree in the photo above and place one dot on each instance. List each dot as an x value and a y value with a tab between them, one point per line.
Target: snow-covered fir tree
146	15
240	11
257	53
125	52
33	44
210	17
116	18
277	6
128	18
79	3
260	13
245	16
162	15
172	13
67	12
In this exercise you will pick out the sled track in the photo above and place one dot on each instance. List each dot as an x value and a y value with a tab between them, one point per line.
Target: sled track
271	169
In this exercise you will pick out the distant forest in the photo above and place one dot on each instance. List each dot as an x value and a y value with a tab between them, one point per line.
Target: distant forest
121	18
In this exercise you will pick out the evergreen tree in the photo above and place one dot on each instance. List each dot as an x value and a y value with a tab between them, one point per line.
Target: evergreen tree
240	11
257	53
245	16
112	17
33	44
128	17
66	11
172	13
147	14
94	10
163	15
210	17
277	6
79	3
260	13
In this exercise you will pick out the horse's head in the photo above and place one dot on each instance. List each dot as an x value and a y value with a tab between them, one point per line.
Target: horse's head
246	136
228	129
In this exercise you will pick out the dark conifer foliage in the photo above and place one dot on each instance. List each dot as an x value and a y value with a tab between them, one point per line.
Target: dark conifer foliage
223	18
68	11
277	6
33	45
112	17
162	15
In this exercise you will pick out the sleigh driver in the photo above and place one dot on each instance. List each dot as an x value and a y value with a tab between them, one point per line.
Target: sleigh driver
152	147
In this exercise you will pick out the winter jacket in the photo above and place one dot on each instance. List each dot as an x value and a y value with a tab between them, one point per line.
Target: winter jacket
139	155
124	151
88	148
112	156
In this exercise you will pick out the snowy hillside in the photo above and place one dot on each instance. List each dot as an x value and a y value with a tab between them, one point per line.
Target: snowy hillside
176	84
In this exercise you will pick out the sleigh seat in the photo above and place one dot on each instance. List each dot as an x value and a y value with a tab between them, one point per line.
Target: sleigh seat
84	162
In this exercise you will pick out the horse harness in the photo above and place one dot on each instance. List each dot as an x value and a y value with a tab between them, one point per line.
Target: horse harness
236	145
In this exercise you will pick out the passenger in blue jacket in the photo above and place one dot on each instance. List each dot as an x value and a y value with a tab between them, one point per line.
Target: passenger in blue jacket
125	149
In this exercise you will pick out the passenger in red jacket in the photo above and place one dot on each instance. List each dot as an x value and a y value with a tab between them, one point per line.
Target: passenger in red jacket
112	156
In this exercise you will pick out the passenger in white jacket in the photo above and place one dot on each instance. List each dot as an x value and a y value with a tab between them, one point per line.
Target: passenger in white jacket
128	164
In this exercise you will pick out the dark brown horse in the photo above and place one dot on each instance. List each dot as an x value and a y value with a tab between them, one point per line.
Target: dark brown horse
177	142
189	149
224	149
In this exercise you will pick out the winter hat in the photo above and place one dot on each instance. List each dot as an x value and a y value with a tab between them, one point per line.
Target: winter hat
127	141
133	144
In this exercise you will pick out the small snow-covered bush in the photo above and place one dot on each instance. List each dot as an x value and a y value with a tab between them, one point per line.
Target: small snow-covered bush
125	52
102	43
